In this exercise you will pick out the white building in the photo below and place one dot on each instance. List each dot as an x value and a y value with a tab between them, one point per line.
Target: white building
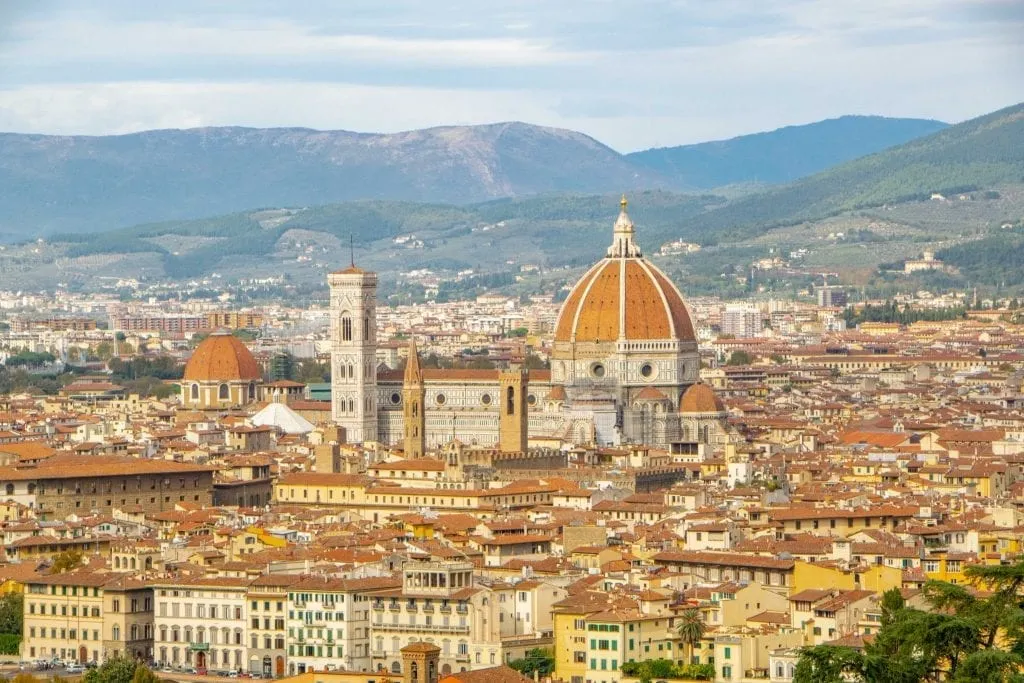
741	321
329	623
201	623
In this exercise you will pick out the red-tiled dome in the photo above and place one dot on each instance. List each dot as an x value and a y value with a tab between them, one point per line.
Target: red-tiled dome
624	296
701	398
222	358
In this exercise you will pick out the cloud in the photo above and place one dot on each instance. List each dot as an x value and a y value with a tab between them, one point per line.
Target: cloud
657	72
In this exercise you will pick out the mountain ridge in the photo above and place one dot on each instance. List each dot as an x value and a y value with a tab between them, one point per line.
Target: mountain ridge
80	183
768	156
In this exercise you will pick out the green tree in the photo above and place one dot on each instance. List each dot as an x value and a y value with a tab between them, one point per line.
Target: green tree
66	561
104	350
964	635
691	629
828	664
740	358
11	616
539	660
143	674
892	603
117	669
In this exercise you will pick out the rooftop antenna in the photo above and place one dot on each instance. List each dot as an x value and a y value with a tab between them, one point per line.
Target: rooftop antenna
352	250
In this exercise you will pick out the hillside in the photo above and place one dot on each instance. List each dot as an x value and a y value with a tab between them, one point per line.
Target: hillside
550	229
77	184
975	154
85	184
783	155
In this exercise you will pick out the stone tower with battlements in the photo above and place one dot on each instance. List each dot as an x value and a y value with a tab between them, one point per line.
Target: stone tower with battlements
413	396
513	419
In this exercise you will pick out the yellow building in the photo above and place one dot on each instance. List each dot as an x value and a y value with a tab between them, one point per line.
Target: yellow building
87	617
877	578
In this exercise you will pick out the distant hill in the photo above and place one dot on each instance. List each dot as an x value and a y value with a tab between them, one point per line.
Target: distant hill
783	155
550	229
77	184
972	155
85	184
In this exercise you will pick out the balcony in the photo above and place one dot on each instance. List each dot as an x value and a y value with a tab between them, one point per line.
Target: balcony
445	609
378	607
423	628
379	654
462	609
464	657
394	607
428	609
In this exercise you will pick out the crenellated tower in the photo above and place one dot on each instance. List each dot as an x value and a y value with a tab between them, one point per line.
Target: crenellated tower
513	419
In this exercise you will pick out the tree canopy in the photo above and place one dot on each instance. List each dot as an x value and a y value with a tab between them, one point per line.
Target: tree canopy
960	637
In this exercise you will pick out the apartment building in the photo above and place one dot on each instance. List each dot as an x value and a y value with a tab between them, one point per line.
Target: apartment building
268	610
329	622
87	617
201	622
439	603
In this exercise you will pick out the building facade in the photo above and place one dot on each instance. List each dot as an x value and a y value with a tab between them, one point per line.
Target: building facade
201	623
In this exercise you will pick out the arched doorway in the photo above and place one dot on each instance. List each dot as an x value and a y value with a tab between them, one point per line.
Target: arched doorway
446	670
83	655
279	669
200	660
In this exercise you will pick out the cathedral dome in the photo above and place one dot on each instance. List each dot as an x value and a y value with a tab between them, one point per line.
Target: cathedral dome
222	357
624	296
701	398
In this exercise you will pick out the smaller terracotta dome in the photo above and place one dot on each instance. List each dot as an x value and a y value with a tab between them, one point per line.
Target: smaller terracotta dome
222	358
700	398
557	393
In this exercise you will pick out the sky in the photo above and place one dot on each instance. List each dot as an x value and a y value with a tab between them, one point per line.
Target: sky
632	73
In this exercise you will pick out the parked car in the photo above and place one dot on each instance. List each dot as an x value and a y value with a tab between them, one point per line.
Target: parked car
75	669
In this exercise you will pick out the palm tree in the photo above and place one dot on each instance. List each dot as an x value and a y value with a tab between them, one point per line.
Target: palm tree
690	629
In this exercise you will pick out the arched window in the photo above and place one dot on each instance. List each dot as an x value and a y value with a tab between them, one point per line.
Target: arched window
135	631
415	408
10	489
351	371
194	391
351	406
366	328
117	562
252	391
115	634
510	401
346	326
222	392
132	562
396	668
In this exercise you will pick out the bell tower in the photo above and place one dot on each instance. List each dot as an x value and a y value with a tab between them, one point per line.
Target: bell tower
413	394
419	662
354	352
513	419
